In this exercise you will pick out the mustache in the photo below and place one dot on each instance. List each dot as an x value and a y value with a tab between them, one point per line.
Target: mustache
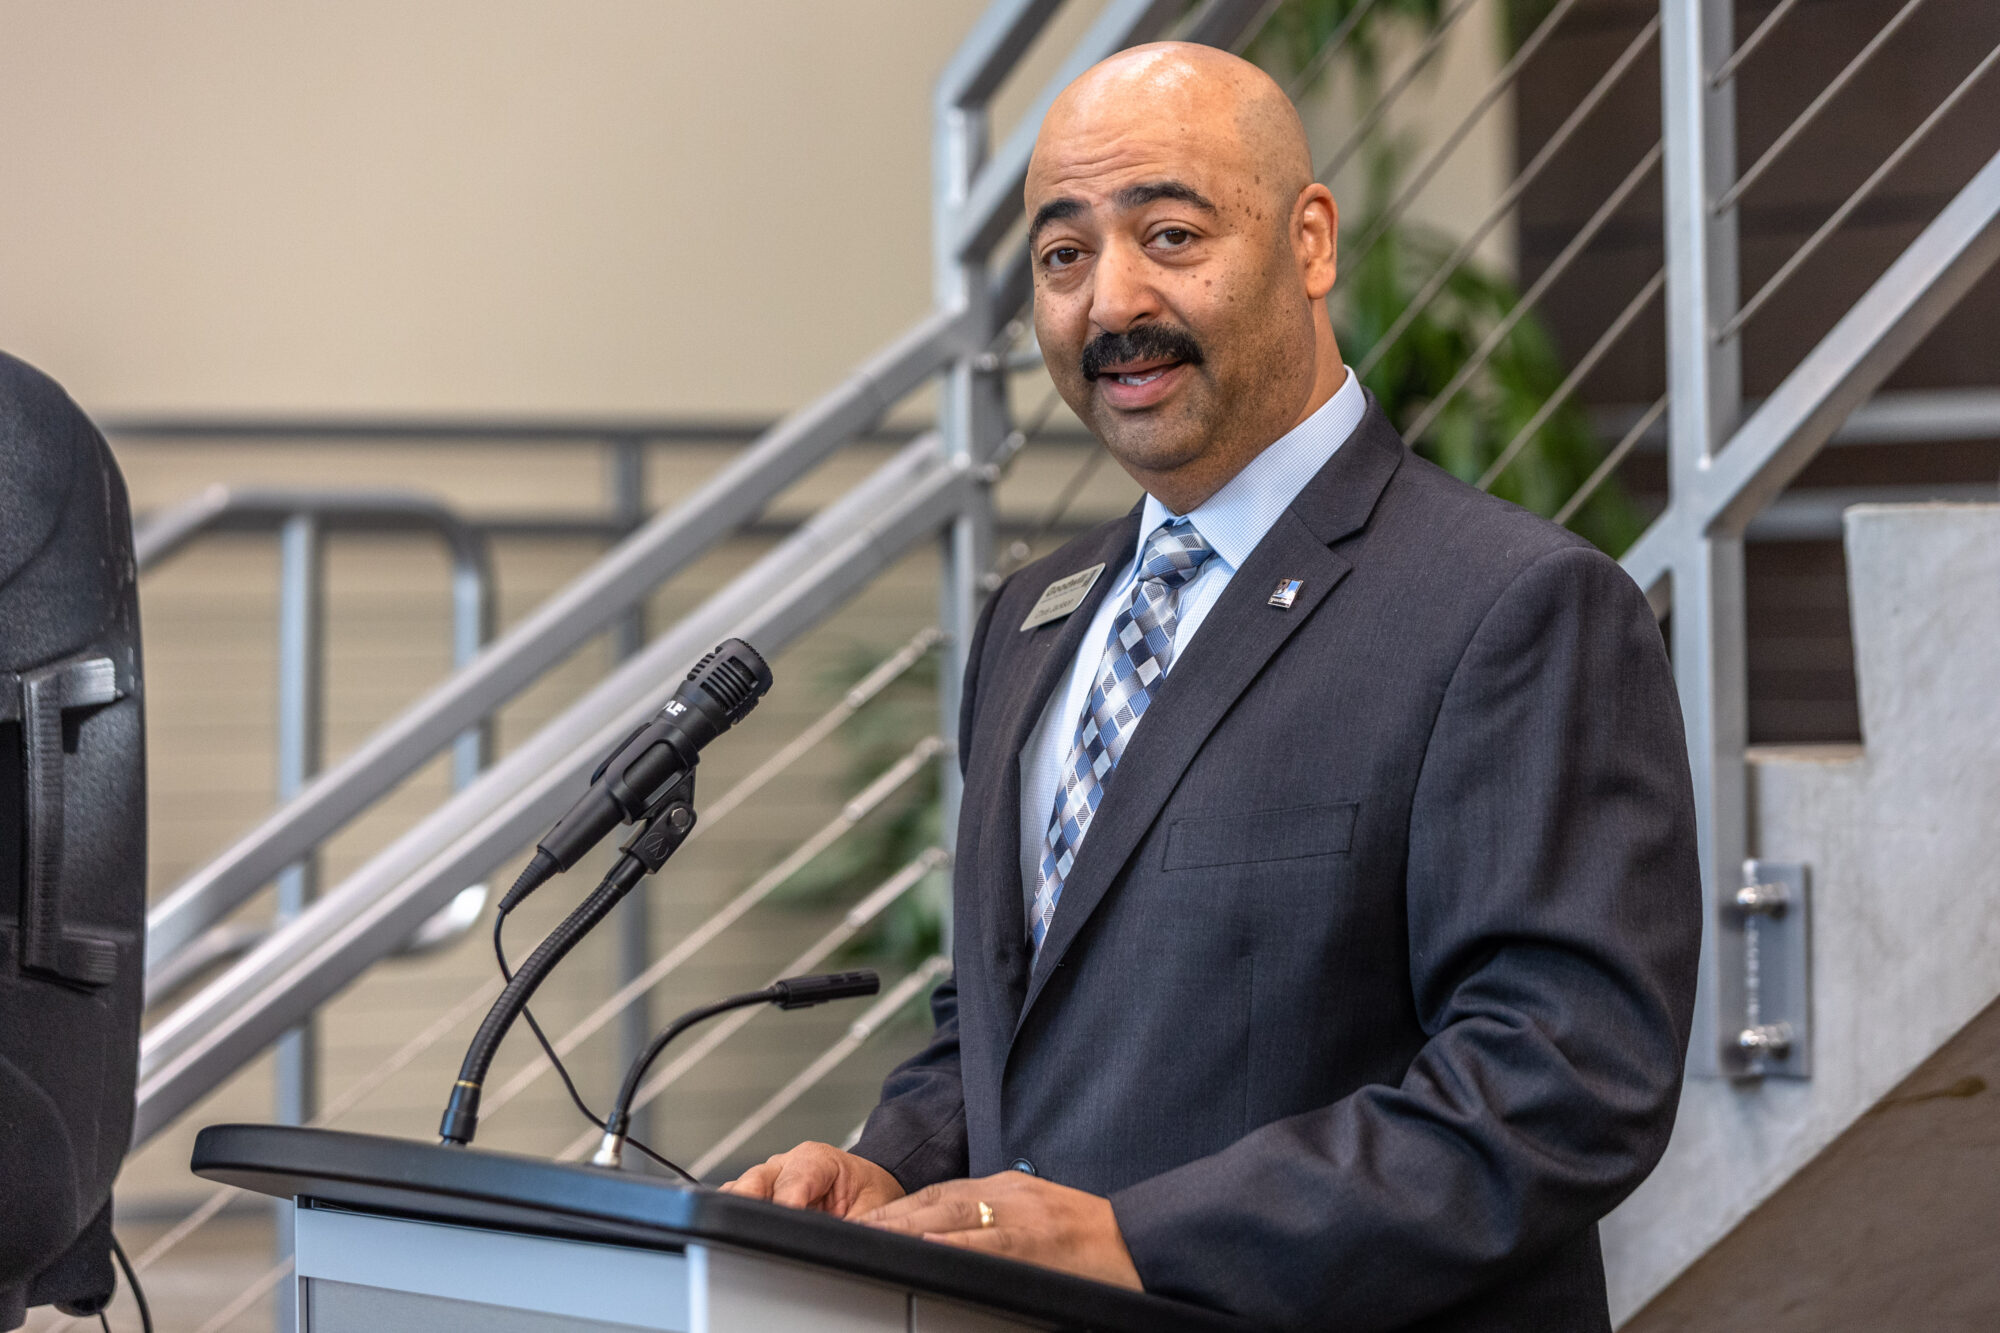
1144	342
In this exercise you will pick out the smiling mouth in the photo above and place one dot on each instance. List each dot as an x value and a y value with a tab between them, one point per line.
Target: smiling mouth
1143	375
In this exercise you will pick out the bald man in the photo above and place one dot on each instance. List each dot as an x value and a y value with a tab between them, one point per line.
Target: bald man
1326	899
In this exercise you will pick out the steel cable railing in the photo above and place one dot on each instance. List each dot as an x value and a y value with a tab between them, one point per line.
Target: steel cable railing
1504	205
864	1027
1529	299
1805	118
1727	69
1020	551
1584	365
1335	43
1501	84
878	901
1400	84
1609	465
1798	257
248	1297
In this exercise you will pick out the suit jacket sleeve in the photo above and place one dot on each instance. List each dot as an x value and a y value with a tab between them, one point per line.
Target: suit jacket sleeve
1553	907
917	1132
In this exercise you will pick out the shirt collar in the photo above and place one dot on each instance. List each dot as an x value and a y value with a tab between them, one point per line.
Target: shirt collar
1236	517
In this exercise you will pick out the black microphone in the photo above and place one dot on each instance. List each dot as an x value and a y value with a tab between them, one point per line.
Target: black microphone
790	993
805	992
635	780
648	779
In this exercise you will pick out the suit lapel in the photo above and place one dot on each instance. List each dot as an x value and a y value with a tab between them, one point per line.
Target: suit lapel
1241	633
1035	666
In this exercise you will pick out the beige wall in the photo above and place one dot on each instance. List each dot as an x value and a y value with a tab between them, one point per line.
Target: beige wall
508	205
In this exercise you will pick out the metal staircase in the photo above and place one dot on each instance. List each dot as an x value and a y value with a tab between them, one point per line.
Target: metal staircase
1724	469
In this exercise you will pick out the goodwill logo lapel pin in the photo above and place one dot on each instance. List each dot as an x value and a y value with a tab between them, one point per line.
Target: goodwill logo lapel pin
1062	597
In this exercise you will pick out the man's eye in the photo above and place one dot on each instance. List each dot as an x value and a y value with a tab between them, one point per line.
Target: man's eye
1174	236
1062	256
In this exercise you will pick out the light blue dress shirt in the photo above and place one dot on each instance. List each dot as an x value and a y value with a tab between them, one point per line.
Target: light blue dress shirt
1233	520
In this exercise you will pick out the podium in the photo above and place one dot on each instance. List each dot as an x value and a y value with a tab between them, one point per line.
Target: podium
395	1234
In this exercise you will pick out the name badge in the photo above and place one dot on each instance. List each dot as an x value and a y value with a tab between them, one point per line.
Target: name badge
1062	597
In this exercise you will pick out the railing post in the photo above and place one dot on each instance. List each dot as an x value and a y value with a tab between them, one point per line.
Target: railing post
301	727
972	419
1705	381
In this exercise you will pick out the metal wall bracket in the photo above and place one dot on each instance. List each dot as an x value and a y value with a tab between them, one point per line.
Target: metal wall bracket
1770	1034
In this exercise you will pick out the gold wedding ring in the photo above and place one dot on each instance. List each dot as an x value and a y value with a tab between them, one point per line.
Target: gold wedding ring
985	1215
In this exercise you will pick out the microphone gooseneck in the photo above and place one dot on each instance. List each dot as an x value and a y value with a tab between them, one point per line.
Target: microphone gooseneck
788	993
648	780
461	1114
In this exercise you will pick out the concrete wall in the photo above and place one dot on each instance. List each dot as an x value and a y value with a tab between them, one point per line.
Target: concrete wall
1904	845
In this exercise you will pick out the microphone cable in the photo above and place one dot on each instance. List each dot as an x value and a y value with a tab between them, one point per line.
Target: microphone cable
562	1072
787	993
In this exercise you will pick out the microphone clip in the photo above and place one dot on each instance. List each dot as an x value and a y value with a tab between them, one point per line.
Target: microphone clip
665	825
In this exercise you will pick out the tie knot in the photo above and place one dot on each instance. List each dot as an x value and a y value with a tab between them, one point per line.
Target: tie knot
1174	553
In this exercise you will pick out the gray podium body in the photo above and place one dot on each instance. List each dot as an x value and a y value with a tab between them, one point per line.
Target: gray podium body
393	1234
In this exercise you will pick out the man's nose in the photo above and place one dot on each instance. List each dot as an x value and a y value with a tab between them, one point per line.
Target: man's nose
1122	292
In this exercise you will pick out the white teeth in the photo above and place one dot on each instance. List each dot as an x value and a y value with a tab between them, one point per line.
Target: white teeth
1136	380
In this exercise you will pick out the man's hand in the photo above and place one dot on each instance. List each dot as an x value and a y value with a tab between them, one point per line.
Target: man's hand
821	1177
1033	1220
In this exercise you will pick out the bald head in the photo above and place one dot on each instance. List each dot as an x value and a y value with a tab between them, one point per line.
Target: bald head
1181	250
1197	100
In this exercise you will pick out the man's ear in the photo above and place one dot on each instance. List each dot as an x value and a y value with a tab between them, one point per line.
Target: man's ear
1316	238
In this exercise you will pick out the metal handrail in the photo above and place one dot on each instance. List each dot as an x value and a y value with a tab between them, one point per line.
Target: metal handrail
159	536
544	638
793	587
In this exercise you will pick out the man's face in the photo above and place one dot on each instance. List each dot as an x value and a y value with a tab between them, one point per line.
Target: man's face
1168	297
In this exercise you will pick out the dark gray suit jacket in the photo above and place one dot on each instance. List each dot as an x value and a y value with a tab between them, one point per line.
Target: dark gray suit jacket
1369	991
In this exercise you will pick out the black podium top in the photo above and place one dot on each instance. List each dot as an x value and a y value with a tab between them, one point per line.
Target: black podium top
500	1190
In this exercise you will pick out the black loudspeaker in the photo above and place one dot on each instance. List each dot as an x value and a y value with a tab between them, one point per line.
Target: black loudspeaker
72	846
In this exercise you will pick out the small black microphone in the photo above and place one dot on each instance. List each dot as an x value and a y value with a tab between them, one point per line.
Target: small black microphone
645	768
789	993
805	992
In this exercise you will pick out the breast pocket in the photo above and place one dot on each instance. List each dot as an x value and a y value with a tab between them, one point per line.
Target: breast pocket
1261	835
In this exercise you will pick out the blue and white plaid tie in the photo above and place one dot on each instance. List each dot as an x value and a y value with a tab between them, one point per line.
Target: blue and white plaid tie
1136	657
